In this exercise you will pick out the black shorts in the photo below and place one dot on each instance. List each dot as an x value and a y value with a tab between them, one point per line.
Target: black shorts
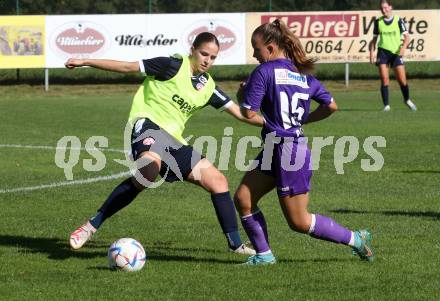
178	160
385	57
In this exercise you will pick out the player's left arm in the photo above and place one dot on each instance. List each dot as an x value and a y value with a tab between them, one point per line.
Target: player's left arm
327	104
404	44
220	100
321	112
245	115
405	34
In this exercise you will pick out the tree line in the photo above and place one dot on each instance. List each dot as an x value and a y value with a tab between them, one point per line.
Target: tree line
50	7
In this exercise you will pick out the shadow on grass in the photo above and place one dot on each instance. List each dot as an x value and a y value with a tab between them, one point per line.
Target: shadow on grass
316	260
163	248
159	256
423	214
358	110
58	249
55	248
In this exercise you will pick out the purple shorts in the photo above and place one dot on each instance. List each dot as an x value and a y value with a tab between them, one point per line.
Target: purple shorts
290	165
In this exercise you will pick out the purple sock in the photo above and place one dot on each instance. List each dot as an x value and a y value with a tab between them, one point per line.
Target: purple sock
327	229
256	229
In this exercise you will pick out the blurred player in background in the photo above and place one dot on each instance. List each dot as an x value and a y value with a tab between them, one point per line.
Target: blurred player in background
175	88
282	90
389	29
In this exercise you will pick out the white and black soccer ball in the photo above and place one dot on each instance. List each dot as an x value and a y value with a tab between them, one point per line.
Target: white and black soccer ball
126	254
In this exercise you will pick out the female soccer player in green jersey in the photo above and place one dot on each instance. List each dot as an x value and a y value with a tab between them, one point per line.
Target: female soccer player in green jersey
389	28
174	89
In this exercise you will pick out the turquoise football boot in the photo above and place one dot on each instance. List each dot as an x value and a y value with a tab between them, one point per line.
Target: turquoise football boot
363	246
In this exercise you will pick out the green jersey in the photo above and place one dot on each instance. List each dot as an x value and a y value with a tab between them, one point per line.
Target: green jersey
390	35
172	102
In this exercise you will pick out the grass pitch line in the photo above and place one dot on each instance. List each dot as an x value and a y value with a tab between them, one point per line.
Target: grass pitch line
64	183
67	183
55	148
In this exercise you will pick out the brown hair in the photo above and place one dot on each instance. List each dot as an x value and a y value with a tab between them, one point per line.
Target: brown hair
205	37
278	33
385	2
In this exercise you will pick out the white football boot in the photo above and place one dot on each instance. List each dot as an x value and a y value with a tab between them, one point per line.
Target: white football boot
81	235
244	250
411	105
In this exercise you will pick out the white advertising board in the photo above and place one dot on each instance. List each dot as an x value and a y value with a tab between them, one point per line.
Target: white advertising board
136	37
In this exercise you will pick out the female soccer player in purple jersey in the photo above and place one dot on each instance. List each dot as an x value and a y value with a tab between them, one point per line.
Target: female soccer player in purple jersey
281	89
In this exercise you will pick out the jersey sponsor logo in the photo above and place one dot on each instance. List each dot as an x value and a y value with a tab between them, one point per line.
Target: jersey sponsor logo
203	79
183	104
390	32
199	86
199	81
287	77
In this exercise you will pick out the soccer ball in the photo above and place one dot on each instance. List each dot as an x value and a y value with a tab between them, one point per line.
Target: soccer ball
126	254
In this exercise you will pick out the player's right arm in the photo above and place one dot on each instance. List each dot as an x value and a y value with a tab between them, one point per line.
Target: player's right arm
250	94
372	48
108	65
372	45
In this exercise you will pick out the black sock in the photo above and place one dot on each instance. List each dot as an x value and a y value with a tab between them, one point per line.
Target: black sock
225	210
121	196
405	92
385	95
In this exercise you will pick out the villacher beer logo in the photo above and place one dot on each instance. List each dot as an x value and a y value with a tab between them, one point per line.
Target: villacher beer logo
226	34
79	39
320	25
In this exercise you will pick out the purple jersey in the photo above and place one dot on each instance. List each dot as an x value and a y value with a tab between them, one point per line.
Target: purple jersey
283	95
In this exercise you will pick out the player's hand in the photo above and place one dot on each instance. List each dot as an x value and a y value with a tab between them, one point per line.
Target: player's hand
73	63
372	60
240	92
402	52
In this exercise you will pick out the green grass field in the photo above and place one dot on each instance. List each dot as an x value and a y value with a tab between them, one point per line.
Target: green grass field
187	258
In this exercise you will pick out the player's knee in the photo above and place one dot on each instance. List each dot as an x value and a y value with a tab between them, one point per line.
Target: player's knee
239	201
299	225
217	183
242	202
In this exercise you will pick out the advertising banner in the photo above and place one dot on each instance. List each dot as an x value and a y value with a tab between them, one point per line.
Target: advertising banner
136	37
48	41
344	36
22	42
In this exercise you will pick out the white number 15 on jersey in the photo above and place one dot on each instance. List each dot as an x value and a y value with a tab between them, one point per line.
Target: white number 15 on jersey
290	112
